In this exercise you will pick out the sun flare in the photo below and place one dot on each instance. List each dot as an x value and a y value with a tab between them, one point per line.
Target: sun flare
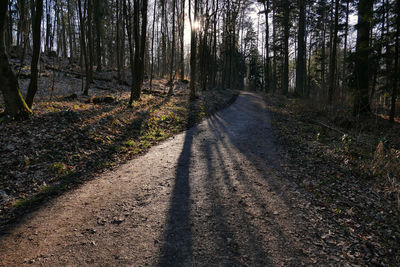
196	25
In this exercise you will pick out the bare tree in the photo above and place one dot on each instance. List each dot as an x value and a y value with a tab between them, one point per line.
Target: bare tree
193	48
140	43
14	103
37	11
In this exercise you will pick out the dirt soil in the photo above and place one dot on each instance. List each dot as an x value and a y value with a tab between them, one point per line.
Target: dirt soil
216	194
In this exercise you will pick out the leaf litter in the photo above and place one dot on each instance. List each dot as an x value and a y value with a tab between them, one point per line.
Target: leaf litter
352	179
70	139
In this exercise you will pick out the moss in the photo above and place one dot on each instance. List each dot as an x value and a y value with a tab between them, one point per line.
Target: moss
58	168
26	202
129	143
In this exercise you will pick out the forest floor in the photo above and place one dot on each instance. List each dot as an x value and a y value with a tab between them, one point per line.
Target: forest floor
351	169
248	186
72	138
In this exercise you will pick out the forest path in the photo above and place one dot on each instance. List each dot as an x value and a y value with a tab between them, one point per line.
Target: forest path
213	195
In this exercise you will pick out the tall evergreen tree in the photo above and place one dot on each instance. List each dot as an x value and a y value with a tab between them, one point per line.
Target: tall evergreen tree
361	74
301	50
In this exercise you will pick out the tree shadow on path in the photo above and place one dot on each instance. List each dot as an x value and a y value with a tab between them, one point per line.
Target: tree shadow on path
177	246
228	205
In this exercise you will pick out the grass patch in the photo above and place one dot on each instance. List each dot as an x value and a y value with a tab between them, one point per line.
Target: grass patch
130	143
26	202
58	168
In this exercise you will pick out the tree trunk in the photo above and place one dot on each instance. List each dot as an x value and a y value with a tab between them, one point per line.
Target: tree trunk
118	48
286	30
171	70
396	64
128	24
9	38
152	46
83	48
332	63
214	67
99	7
274	56
323	50
361	99
90	38
346	33
193	48
37	11
70	27
301	50
140	43
267	85
63	33
182	52
164	34
15	105
48	27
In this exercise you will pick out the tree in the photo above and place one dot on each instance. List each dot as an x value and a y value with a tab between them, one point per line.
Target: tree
286	32
90	38
182	39
254	65
396	64
118	41
37	12
332	62
98	19
361	97
346	30
171	70
152	46
15	105
83	49
267	63
301	50
193	48
140	43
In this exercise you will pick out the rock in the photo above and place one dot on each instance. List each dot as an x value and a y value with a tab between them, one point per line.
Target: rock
117	220
91	231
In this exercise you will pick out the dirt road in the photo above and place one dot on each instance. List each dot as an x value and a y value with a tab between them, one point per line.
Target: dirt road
214	195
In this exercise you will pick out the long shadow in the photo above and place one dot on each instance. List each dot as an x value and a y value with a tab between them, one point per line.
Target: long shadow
263	157
177	241
92	164
265	164
177	246
228	235
260	155
238	230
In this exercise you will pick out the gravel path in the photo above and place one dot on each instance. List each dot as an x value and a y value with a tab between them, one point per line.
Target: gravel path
214	195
